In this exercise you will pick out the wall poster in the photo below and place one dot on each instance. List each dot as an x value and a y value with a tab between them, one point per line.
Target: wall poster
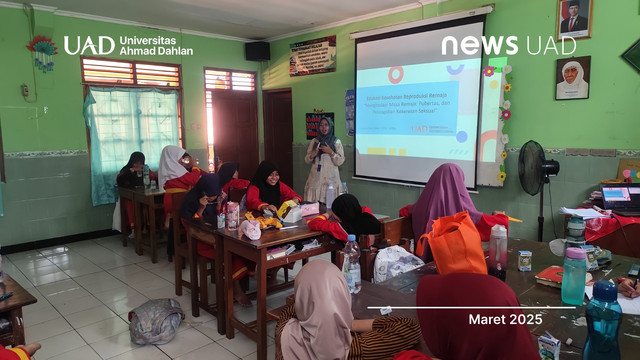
312	56
313	120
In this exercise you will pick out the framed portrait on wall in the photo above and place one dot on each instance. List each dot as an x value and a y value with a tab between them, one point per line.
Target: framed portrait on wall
572	78
574	19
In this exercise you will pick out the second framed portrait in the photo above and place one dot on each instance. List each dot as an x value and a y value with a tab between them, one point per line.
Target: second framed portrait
574	19
572	78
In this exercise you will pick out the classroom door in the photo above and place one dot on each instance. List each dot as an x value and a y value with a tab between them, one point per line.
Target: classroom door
235	129
278	131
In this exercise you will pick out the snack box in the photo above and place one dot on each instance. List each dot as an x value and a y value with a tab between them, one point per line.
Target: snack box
524	260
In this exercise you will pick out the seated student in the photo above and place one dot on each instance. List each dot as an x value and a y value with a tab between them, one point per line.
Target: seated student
628	288
351	218
450	334
20	352
177	172
228	173
202	201
444	195
320	325
267	191
130	176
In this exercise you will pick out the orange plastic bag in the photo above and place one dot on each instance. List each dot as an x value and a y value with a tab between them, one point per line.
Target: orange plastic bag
455	245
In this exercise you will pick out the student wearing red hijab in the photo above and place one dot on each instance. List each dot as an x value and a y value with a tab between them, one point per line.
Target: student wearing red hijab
449	333
444	195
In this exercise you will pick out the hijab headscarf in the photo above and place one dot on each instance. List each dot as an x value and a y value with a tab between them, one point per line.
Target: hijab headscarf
449	334
269	194
328	139
353	220
444	195
226	172
169	167
322	329
578	88
209	185
135	157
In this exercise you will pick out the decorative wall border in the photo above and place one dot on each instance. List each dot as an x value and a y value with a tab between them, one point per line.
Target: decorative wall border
41	154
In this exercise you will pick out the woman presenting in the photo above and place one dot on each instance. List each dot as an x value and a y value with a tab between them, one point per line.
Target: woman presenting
325	154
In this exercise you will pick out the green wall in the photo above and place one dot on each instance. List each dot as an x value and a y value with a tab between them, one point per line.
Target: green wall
607	120
47	193
535	113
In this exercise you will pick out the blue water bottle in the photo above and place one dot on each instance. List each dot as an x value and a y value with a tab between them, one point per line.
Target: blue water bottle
603	322
574	276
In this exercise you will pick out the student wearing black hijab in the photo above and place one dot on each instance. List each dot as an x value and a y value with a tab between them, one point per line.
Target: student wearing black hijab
350	218
267	191
202	201
228	173
130	176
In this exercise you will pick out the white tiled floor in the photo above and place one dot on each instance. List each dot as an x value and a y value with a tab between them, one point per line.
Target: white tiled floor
85	291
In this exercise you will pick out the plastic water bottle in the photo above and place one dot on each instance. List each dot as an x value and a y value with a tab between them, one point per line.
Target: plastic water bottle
497	262
603	322
145	176
351	265
344	189
330	195
574	276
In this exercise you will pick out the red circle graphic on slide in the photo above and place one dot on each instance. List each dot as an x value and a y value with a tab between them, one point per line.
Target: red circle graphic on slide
400	74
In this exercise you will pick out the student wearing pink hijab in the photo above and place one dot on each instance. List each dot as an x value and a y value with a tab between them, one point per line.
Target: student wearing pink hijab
450	335
320	324
444	195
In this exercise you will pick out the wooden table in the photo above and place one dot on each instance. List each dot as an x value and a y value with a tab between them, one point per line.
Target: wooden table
256	251
562	324
11	309
152	199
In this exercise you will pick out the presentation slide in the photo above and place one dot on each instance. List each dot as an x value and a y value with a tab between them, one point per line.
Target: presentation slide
417	108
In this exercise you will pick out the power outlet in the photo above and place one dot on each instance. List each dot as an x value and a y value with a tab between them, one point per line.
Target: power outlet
25	90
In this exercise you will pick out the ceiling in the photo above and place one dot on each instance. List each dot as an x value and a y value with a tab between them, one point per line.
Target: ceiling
240	19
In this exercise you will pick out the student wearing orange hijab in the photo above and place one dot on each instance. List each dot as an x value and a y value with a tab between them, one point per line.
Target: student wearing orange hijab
320	324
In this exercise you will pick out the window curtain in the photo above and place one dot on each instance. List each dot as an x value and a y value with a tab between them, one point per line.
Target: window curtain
121	121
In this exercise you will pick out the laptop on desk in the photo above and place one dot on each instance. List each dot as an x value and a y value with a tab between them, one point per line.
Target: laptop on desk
622	199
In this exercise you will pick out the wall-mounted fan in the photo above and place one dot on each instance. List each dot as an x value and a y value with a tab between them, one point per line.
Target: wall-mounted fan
534	172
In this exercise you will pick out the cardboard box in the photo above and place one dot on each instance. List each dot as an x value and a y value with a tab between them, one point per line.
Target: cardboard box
548	347
524	260
592	261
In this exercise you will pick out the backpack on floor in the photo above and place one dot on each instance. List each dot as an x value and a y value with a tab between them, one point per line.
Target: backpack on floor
155	322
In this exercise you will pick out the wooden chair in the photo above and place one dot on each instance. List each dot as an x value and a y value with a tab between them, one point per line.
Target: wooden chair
394	232
179	242
236	195
182	250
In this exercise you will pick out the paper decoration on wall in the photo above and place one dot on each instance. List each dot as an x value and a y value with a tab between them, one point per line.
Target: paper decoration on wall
496	113
629	170
44	49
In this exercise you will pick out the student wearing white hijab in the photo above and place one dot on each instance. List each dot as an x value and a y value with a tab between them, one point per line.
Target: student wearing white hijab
320	324
573	86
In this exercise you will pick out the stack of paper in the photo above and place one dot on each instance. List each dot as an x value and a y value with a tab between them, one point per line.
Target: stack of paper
584	213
